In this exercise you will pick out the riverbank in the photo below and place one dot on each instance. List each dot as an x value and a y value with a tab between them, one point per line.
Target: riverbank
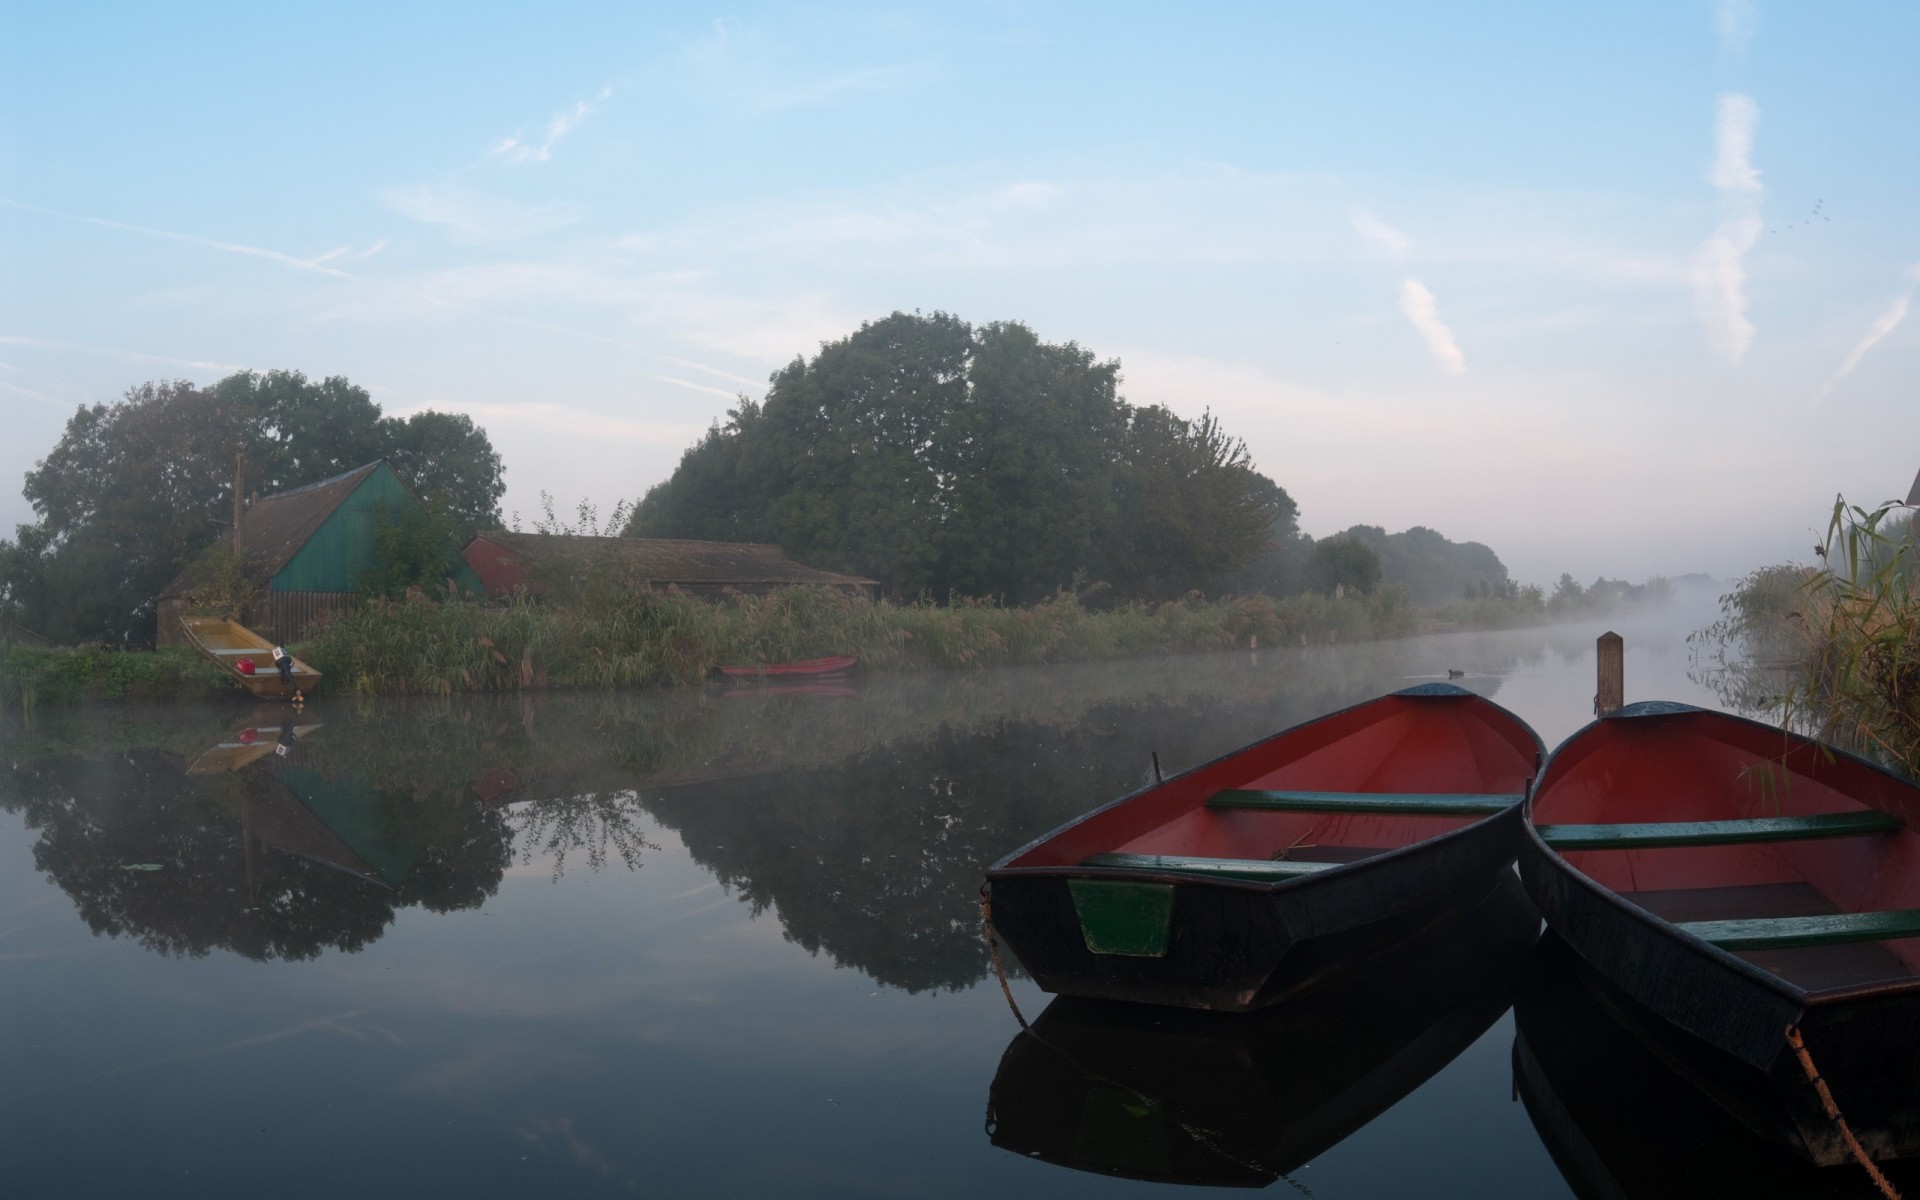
425	647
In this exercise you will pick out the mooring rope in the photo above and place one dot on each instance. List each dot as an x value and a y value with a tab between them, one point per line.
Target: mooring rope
1799	1045
993	950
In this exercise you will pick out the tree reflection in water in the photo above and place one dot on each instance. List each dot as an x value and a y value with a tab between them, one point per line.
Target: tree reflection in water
862	824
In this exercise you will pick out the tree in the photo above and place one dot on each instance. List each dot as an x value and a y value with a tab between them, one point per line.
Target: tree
135	490
1281	568
936	456
1433	569
1344	562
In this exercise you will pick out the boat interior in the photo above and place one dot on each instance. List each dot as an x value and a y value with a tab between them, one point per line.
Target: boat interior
1799	861
1351	786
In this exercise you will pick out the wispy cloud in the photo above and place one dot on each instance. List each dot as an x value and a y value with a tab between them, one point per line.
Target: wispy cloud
738	66
1381	234
1718	269
1884	324
1735	21
567	418
288	260
475	219
1417	302
40	397
197	364
518	149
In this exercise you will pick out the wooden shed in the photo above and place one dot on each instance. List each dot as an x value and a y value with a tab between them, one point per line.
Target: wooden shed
311	546
540	563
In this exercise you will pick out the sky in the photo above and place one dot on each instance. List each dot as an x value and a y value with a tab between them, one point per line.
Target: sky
1618	290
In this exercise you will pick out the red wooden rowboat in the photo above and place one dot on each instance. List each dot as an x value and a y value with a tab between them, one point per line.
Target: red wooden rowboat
1730	880
836	665
1229	885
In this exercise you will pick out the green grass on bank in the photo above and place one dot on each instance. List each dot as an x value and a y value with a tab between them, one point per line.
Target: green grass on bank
421	646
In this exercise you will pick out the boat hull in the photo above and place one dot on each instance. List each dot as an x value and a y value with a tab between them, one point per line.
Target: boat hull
817	667
1720	1018
1233	945
1198	1098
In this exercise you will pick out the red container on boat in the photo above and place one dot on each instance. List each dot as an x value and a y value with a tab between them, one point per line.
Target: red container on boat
244	666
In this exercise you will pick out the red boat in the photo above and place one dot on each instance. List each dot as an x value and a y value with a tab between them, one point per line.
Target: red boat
1727	881
839	664
1228	886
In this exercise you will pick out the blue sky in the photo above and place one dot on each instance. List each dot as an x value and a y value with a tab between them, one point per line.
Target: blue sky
1617	290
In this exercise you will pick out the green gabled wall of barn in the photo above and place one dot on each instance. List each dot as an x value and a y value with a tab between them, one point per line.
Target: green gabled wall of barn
346	545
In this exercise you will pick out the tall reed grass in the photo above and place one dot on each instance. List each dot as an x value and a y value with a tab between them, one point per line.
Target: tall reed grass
421	646
1833	650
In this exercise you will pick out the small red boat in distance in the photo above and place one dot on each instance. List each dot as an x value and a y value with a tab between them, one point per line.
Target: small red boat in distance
838	664
1229	886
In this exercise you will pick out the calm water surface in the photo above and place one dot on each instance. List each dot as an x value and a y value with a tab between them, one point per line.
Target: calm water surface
692	944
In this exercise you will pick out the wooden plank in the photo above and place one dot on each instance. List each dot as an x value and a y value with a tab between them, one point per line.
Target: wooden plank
1719	833
1434	804
1260	869
1779	933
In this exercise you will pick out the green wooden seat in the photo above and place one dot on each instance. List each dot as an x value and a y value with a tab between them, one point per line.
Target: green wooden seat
1260	869
1431	804
1719	833
1781	933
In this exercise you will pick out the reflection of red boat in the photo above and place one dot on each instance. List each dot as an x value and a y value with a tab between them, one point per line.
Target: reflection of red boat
797	689
837	665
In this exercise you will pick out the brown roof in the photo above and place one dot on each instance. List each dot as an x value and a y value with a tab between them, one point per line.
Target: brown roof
671	560
275	527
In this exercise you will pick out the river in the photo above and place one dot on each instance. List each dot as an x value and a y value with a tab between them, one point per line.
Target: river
671	943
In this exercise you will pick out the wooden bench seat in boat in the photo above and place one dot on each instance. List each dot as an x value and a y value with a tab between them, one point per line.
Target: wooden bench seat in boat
1432	804
1658	834
1260	869
1775	933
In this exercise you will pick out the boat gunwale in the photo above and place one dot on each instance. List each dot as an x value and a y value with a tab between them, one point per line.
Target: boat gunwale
1347	870
1669	930
232	668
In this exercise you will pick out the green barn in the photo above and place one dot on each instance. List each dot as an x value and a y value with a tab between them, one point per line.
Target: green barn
311	546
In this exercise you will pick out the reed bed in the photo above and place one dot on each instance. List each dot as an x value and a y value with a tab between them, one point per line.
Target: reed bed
1835	650
420	646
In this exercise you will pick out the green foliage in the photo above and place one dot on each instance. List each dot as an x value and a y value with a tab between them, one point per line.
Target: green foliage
440	648
1834	651
415	548
135	490
942	458
1433	569
31	675
227	586
1344	563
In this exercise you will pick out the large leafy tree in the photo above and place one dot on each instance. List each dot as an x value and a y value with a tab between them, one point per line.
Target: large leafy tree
936	456
134	490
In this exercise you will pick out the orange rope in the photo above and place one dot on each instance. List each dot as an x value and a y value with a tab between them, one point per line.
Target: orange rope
993	949
1799	1045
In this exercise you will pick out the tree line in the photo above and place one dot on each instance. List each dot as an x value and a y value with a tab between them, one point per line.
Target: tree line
944	458
135	490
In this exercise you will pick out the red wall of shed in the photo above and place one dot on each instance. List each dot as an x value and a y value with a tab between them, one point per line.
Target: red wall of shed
500	570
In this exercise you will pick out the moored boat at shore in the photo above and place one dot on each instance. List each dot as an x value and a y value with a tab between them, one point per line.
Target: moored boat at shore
1738	885
838	664
1227	886
233	646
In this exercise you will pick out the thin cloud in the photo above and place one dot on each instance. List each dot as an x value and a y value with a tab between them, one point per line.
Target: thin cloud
741	67
474	219
197	364
1884	324
1735	22
29	393
1417	302
1718	269
1381	234
287	260
566	418
516	149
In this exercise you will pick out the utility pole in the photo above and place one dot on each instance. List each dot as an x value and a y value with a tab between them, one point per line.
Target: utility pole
239	499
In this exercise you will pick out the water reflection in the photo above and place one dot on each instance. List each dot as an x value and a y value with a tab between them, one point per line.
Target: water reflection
1622	1124
861	822
1243	1099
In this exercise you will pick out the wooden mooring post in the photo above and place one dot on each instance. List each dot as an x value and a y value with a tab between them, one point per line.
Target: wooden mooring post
1610	671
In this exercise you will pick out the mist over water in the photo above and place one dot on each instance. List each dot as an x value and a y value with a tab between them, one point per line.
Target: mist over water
671	942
